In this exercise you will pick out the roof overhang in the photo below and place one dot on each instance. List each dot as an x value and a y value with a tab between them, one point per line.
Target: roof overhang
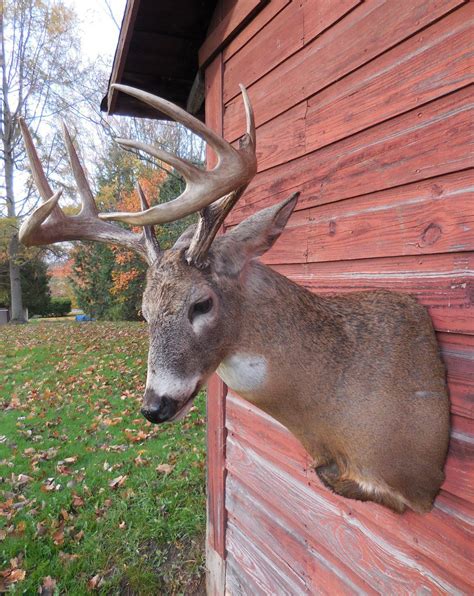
164	47
158	51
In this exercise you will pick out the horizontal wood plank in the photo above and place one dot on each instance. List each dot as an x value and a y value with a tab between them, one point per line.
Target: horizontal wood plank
280	38
384	561
254	27
319	571
320	15
256	572
442	283
426	143
445	532
424	218
370	29
458	355
234	17
429	65
433	63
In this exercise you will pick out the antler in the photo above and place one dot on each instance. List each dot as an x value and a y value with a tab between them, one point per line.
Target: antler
226	181
49	224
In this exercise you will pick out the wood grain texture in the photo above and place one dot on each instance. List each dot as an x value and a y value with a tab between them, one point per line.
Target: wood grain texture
427	218
235	14
422	144
429	65
370	29
215	571
384	561
458	355
312	571
216	436
443	283
249	571
254	27
444	535
283	36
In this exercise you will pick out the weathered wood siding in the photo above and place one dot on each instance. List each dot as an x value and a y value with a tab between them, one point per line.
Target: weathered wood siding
363	106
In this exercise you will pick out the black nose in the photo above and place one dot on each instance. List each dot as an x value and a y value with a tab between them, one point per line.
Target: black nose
160	409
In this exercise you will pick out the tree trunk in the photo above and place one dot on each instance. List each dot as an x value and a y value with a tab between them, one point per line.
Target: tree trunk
16	305
17	315
16	298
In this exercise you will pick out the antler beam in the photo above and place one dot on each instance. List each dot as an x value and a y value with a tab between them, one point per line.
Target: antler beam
226	181
49	224
211	193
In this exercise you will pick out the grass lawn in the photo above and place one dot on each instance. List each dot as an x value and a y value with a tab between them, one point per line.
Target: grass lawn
93	497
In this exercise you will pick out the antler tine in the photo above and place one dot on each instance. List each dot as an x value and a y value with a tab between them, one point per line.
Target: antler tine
184	167
38	174
149	236
234	170
88	203
177	114
48	224
210	220
26	234
212	217
249	116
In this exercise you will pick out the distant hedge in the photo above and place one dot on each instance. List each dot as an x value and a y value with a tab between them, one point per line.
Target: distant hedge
57	307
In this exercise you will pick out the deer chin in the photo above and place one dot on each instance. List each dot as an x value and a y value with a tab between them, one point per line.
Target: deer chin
181	413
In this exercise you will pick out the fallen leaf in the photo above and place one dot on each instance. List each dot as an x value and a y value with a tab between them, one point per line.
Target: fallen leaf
140	461
41	529
48	586
20	480
95	582
17	575
66	557
136	436
117	482
20	527
164	468
48	486
58	537
70	460
77	501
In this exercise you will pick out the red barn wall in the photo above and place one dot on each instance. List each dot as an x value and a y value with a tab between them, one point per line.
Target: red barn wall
364	107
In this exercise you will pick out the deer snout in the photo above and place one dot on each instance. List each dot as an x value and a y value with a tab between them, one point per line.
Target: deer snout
158	408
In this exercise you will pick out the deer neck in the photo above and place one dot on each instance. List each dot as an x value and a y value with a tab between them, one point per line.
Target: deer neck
282	330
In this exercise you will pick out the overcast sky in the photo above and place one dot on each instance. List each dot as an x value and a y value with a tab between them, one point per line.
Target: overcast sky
99	34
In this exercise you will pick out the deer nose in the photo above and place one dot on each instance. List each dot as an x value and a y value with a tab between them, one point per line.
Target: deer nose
159	409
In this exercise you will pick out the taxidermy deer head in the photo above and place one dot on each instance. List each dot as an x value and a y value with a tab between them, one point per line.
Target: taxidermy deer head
357	378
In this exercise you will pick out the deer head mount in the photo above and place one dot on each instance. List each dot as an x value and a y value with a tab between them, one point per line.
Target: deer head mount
357	378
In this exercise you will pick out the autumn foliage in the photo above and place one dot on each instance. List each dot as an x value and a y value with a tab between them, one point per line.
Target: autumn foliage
128	269
108	281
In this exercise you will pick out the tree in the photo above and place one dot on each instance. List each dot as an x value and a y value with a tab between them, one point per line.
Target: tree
38	58
92	277
34	280
109	281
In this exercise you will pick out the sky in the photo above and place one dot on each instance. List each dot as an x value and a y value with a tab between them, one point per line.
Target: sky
99	33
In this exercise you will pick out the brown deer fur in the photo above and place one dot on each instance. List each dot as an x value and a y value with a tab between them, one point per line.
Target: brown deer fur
357	378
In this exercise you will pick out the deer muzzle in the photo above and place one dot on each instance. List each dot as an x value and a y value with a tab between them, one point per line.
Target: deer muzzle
159	408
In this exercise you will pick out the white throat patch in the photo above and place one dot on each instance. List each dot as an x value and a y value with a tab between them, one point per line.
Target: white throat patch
162	382
243	372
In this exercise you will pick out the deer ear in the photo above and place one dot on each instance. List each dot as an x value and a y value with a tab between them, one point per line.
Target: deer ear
252	237
185	239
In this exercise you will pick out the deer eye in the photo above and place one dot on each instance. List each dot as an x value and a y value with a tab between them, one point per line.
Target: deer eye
200	308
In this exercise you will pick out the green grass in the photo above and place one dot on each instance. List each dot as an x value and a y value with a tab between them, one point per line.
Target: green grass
70	426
